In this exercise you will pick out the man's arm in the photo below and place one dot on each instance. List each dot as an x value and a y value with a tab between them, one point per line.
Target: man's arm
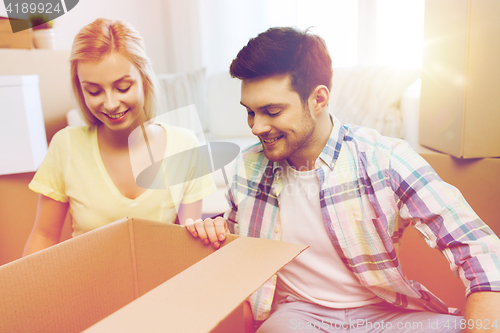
248	318
482	312
450	225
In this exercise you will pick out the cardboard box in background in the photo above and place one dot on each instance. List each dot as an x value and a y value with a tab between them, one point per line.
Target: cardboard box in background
460	103
477	179
52	67
479	182
124	265
22	129
18	40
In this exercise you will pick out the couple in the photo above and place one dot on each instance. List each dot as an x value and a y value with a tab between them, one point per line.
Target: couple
365	188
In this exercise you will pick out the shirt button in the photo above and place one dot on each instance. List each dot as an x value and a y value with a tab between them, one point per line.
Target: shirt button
276	229
266	301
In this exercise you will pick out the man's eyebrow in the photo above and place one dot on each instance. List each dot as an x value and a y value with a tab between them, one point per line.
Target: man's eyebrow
96	84
270	105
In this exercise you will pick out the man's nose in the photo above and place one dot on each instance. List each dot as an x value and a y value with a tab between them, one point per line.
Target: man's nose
260	125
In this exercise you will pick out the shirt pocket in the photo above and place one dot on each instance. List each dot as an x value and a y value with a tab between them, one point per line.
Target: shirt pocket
350	206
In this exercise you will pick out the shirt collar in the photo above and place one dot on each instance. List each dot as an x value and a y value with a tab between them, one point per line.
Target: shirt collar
330	152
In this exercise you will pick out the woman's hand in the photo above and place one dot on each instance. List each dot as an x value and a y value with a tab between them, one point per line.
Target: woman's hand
209	231
50	216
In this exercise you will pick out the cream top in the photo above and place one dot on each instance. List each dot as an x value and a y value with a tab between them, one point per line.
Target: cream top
73	172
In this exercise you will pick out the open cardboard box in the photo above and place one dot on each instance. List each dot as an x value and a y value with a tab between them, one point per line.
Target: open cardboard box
136	275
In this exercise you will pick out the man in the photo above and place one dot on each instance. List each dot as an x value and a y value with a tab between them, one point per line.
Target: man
349	193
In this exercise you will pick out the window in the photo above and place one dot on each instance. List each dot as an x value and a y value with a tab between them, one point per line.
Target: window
334	20
400	27
383	32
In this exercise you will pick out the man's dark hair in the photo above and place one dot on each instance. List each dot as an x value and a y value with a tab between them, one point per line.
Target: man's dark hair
285	50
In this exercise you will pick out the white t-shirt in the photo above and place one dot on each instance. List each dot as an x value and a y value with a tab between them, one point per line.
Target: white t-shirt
317	275
73	171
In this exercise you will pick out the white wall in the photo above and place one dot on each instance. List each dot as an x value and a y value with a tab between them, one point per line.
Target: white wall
182	35
146	16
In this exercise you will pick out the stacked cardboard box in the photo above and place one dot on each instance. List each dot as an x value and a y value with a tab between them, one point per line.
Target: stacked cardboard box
18	40
21	124
460	103
478	180
146	276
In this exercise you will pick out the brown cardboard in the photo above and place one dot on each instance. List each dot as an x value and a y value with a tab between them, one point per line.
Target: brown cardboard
477	179
18	40
459	106
124	265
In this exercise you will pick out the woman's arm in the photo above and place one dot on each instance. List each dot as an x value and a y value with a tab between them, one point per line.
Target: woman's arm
49	222
192	210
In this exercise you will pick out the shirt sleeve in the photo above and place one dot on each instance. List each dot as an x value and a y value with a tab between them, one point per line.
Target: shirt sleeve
49	179
446	221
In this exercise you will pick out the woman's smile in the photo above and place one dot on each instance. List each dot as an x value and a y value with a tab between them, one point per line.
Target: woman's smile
116	117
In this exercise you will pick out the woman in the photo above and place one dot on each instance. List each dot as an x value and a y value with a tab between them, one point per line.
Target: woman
89	170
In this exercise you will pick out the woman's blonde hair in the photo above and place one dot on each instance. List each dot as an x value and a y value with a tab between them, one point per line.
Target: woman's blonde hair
100	39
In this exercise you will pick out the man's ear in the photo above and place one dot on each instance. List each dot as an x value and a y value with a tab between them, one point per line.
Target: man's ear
318	99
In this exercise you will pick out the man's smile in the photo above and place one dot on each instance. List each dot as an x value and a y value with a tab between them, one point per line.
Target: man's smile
271	140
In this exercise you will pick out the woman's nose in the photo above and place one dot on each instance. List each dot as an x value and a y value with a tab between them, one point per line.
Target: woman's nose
111	103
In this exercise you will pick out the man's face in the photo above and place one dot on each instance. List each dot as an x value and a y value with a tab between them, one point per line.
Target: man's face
277	116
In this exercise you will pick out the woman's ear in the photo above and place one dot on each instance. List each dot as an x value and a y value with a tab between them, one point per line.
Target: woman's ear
318	100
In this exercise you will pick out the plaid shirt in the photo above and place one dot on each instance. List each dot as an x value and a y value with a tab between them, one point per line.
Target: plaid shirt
371	188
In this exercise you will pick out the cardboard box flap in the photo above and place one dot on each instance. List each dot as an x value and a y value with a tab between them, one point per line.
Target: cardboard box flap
200	297
162	251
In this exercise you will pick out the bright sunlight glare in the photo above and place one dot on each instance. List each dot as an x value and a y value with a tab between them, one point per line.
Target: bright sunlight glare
400	32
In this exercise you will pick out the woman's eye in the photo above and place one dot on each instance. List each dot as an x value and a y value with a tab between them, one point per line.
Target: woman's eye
94	93
124	90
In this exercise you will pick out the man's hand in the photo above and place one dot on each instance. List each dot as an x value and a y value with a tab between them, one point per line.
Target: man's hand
209	231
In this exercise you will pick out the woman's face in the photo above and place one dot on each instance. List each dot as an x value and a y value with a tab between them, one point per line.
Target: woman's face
113	91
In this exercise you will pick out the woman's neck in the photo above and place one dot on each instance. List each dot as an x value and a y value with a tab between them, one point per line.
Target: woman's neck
119	139
113	139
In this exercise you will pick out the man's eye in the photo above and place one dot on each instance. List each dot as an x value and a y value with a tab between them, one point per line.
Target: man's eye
274	113
251	113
